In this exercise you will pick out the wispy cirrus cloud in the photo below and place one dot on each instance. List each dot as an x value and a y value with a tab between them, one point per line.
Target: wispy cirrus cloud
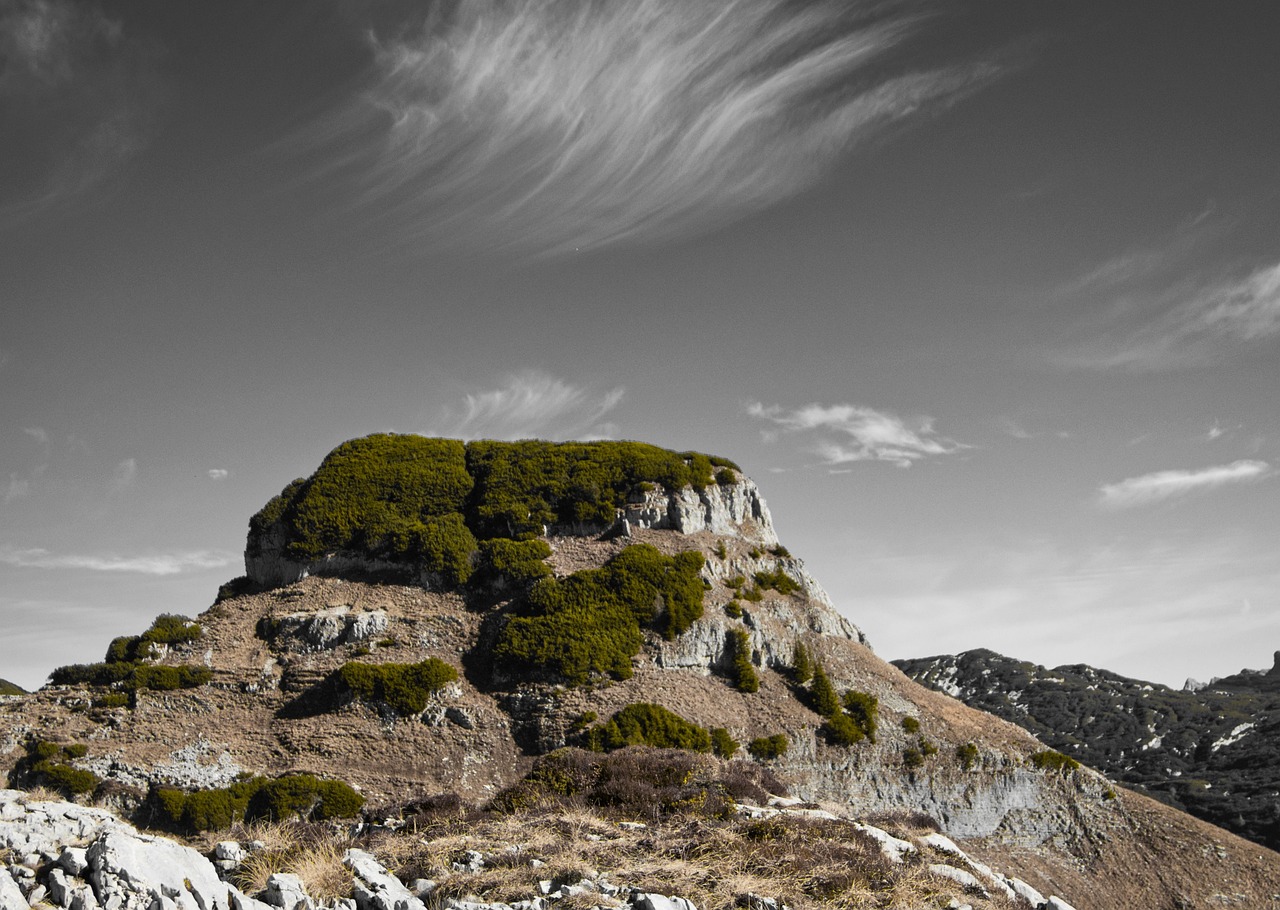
153	564
1191	324
545	128
1161	485
843	433
533	403
79	96
218	473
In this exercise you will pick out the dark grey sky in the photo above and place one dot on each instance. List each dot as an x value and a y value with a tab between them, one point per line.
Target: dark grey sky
985	295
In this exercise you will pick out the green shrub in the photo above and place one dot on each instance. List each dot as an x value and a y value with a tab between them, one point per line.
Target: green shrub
66	779
910	724
781	552
43	750
648	725
522	486
742	673
927	749
184	676
723	744
725	477
75	750
720	550
764	748
371	495
589	622
777	580
303	796
519	563
967	755
736	582
112	700
841	730
863	709
733	609
582	721
1051	760
912	758
752	594
403	687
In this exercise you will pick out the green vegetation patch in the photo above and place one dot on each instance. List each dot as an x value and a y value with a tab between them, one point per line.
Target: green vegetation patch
522	486
47	764
1052	760
764	748
648	725
517	563
741	672
8	688
301	796
404	687
589	622
132	676
168	629
777	580
967	755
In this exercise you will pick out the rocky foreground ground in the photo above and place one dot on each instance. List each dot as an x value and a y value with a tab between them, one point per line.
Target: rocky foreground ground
81	858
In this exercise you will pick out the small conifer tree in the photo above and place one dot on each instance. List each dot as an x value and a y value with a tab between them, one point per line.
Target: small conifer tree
825	700
743	673
801	664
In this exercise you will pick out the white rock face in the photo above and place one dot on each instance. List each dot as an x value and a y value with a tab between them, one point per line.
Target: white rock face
329	628
375	887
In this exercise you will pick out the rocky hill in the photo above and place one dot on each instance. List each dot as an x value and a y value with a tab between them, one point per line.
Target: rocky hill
422	619
1209	749
8	688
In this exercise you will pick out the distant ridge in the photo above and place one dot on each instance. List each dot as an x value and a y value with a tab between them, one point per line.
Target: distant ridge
1209	748
8	688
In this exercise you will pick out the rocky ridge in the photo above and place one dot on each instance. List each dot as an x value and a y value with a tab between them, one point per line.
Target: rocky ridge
273	651
1208	749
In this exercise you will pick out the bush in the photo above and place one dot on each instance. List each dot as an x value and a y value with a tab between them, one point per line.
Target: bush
967	755
842	731
112	700
765	748
1051	760
519	563
185	676
752	594
863	708
742	673
297	795
777	580
66	779
912	757
648	725
781	552
589	623
726	477
403	687
723	744
133	676
522	486
733	609
910	724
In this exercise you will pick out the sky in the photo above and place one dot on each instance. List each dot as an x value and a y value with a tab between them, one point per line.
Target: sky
984	295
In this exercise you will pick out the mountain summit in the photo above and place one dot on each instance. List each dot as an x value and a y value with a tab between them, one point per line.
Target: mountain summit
423	617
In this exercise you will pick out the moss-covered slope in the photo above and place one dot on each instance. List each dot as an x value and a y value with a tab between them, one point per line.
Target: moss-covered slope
413	501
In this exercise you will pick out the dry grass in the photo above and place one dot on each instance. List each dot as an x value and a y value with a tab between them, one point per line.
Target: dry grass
311	852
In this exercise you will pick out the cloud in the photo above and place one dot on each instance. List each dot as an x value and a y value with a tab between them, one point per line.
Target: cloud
844	433
79	97
1162	485
533	403
1188	325
218	473
545	128
158	564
